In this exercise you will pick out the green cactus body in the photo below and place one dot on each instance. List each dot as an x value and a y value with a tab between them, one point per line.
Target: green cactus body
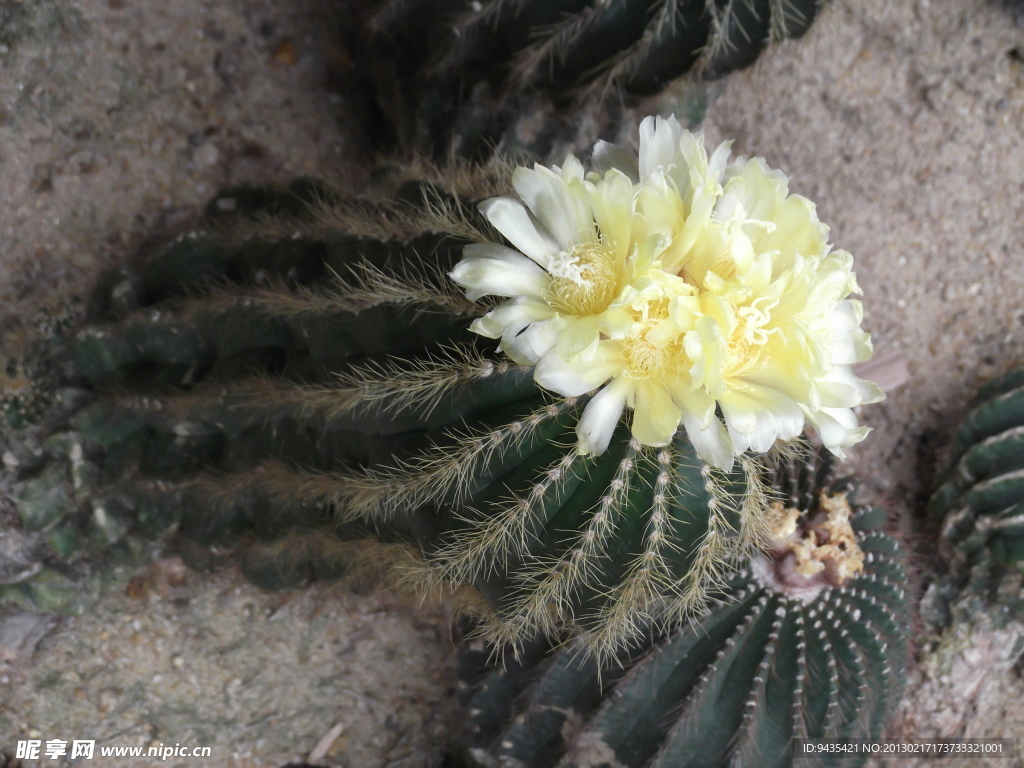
981	505
507	48
776	657
252	399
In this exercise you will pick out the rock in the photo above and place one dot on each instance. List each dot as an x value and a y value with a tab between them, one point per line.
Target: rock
20	633
24	454
18	561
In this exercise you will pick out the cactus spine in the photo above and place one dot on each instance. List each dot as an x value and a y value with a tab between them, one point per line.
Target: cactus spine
779	655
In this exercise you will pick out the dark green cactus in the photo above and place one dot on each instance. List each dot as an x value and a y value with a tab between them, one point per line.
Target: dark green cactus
295	397
980	506
464	69
777	657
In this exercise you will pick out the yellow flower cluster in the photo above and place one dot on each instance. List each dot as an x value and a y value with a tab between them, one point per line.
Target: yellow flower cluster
697	292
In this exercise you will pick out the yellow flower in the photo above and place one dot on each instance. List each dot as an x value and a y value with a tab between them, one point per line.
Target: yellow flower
572	240
680	286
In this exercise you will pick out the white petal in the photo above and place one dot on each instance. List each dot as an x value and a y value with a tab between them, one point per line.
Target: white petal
499	277
528	345
850	344
515	314
572	169
842	389
692	174
655	417
497	252
706	347
712	443
561	211
838	429
513	221
600	418
718	161
797	231
869	392
580	338
750	425
755	189
573	378
705	430
612	203
659	142
608	156
789	418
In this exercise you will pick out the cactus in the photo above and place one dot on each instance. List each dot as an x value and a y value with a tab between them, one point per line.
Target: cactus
288	420
469	67
304	377
980	507
780	655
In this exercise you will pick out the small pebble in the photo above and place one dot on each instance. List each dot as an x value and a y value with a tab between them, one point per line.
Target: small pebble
207	155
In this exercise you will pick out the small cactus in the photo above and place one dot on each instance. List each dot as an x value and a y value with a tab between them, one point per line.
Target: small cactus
468	67
980	506
808	640
303	377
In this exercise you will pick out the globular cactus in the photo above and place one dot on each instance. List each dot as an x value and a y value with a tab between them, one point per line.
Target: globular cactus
807	640
980	506
288	420
304	376
465	69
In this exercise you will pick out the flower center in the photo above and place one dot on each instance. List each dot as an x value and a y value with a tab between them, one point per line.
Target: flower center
746	345
584	280
644	358
654	343
806	555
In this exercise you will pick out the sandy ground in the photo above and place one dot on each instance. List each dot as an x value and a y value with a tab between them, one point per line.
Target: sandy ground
119	119
900	118
180	658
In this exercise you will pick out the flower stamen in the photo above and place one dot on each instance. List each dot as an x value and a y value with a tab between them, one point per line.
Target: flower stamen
585	279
